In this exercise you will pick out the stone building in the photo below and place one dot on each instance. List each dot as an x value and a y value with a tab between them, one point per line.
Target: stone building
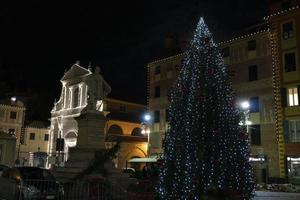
12	115
284	21
249	62
7	149
82	91
264	66
34	150
125	125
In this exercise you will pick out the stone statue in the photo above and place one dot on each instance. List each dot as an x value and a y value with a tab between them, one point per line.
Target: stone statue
98	89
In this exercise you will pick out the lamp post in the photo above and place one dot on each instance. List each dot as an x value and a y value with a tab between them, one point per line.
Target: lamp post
245	106
146	129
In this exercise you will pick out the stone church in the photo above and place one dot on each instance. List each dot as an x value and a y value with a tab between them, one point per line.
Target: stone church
84	89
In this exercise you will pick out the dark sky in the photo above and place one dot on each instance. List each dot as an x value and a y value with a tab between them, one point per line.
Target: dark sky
40	40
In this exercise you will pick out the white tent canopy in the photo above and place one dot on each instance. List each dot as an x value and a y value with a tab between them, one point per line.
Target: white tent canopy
143	160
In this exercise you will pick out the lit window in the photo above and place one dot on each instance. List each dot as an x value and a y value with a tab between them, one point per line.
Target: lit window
294	131
293	96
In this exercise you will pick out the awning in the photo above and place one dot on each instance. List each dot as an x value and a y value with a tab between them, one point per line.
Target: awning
143	160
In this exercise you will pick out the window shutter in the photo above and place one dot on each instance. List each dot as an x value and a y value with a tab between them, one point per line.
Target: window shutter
286	130
298	89
283	97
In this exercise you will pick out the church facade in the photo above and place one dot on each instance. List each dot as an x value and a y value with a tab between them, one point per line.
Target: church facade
82	90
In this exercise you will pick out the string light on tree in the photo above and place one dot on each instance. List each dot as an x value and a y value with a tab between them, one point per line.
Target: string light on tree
205	147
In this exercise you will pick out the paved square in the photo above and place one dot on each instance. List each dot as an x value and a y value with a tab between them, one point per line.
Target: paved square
276	196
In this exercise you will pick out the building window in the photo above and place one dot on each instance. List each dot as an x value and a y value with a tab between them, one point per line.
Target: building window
32	136
287	30
252	72
13	115
293	96
12	132
290	62
46	137
255	135
251	45
226	52
76	98
157	70
157	91
254	104
294	131
2	113
123	108
156	116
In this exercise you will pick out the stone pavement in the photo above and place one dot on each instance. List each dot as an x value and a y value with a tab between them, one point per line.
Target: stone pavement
262	195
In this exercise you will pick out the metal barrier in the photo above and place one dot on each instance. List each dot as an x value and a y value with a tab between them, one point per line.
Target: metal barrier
40	189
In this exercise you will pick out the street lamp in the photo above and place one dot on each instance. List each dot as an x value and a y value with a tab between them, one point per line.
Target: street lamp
146	128
147	117
245	106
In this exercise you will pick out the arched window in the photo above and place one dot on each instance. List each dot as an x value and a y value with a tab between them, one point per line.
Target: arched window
115	130
137	132
76	97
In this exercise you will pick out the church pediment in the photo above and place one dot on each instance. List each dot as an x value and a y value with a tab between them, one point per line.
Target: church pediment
75	72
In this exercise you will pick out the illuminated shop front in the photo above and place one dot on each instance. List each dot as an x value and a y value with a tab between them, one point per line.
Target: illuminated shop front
293	166
259	164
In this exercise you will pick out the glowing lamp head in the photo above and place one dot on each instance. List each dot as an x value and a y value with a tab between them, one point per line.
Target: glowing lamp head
248	123
245	105
147	117
13	99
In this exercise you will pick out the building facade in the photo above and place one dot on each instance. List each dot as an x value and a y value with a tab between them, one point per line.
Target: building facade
82	90
161	75
12	115
284	22
7	149
264	69
34	150
249	62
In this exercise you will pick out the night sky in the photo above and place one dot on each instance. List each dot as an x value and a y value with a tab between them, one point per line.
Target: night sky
40	40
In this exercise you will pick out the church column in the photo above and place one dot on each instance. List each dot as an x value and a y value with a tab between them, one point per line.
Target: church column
64	96
83	94
80	95
70	98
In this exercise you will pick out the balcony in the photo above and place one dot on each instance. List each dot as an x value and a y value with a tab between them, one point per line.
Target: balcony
292	111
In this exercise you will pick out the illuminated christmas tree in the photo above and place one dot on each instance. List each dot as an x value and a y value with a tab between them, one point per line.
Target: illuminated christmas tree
205	148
